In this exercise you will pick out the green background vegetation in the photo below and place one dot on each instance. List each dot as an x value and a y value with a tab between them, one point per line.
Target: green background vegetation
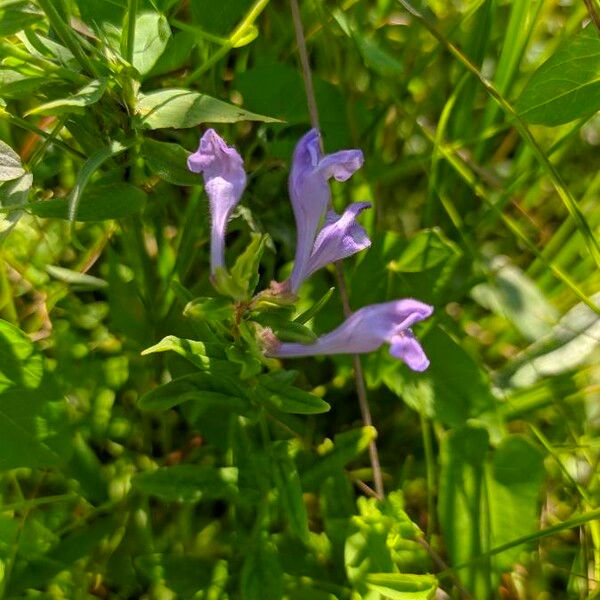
195	471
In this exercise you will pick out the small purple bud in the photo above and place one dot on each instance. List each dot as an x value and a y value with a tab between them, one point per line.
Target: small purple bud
368	329
224	182
310	193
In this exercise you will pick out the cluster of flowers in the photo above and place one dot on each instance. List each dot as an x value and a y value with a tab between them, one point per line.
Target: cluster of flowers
323	237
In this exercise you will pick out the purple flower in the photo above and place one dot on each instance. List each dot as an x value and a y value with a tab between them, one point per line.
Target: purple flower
224	182
340	237
366	330
310	193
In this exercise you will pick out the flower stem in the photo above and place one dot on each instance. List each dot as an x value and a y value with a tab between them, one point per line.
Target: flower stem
361	389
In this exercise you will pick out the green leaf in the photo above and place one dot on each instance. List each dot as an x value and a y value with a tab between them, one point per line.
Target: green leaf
425	250
402	586
152	33
567	86
450	390
176	55
213	310
10	163
245	270
462	489
169	162
571	343
201	388
18	16
207	357
89	168
512	295
514	483
188	483
277	391
289	487
181	109
12	194
98	203
285	330
27	404
75	279
184	575
262	576
86	96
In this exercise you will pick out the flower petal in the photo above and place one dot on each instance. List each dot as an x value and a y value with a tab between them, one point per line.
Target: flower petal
224	181
340	237
407	348
310	193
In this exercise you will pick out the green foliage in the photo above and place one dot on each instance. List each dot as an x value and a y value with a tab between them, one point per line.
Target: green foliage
148	446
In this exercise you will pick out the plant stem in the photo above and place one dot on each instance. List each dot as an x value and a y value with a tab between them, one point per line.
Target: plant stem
132	7
361	389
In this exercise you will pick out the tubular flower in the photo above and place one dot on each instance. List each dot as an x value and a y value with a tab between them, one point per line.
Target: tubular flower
340	237
224	181
310	193
366	330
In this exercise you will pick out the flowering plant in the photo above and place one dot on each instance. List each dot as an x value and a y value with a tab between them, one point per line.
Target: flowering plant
323	237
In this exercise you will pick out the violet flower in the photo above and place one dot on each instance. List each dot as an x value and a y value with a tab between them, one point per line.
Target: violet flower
224	182
340	237
366	330
310	193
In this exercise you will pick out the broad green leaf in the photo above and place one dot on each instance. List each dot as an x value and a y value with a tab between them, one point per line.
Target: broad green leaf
18	16
207	357
454	387
262	577
515	478
462	490
13	194
279	393
75	279
188	483
28	404
401	586
181	109
346	447
202	388
571	343
512	295
10	163
152	33
86	96
98	203
289	487
176	55
169	162
567	86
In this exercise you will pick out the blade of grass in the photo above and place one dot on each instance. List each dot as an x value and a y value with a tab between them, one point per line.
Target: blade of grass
557	181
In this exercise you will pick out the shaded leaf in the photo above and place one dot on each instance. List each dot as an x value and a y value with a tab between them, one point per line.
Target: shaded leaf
169	162
277	391
152	33
86	96
98	203
181	109
188	483
567	85
10	163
